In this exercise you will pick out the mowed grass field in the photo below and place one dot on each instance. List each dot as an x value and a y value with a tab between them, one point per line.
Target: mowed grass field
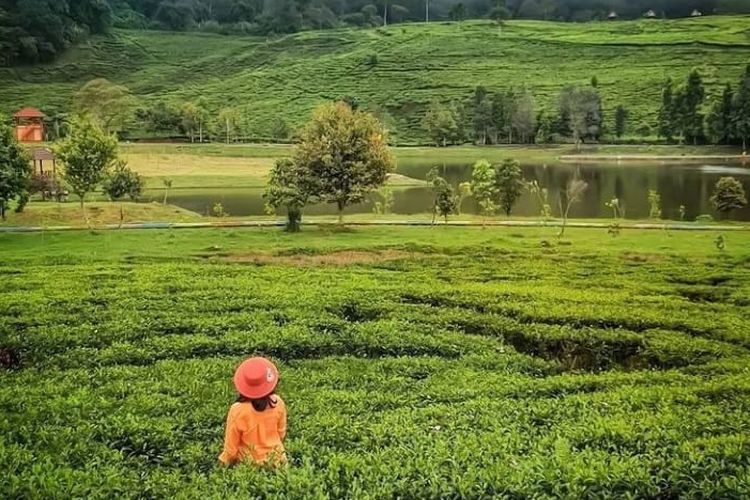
287	77
416	363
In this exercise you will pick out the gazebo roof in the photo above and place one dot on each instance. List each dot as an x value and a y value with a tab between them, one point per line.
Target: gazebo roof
29	113
42	154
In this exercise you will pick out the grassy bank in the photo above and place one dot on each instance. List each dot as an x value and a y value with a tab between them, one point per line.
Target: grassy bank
415	362
287	77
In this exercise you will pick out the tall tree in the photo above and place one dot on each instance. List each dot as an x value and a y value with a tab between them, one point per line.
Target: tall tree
483	187
286	189
509	184
441	123
741	111
523	119
87	154
621	117
691	100
111	105
582	106
343	155
719	121
667	112
15	170
482	115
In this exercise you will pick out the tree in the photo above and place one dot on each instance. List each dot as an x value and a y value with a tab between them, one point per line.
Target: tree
121	182
15	170
728	195
574	190
87	154
189	123
621	116
509	184
667	113
483	187
741	111
112	106
457	12
444	201
343	155
482	115
689	100
441	124
719	121
167	186
583	108
523	118
229	122
286	189
499	14
464	191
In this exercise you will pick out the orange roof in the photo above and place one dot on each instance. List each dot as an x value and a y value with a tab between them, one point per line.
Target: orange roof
29	113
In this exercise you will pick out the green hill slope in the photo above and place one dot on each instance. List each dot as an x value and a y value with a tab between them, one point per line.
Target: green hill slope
415	64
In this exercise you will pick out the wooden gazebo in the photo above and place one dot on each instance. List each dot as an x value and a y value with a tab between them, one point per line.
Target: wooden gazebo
29	125
650	14
612	16
39	156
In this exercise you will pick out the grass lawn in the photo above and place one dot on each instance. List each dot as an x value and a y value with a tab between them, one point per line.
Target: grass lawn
428	362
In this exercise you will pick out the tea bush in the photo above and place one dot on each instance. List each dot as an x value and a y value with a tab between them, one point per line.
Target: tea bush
474	366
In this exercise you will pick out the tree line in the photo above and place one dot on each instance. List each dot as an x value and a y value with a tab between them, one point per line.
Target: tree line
39	30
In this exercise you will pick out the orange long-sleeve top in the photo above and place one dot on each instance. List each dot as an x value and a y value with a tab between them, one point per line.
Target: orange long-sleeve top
253	434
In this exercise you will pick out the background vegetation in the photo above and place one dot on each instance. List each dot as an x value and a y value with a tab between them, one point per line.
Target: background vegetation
273	84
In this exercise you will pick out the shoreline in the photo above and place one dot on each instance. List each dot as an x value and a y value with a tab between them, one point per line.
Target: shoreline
662	158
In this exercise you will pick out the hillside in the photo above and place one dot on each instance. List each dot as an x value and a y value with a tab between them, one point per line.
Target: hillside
415	63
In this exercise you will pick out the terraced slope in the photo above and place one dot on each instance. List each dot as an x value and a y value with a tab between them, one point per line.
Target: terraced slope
415	64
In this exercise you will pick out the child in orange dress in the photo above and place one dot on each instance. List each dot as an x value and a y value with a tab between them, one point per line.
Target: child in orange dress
256	423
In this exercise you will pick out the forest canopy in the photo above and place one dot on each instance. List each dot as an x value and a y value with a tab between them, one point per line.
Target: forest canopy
38	30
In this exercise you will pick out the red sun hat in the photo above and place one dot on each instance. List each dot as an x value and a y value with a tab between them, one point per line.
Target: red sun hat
256	378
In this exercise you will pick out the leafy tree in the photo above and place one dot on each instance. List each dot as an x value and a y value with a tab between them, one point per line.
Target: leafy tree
523	118
122	181
286	189
441	124
87	154
509	184
719	121
728	195
343	155
741	113
112	106
483	119
689	100
621	117
228	122
445	202
483	187
458	12
190	119
583	108
15	170
499	14
280	130
464	192
667	112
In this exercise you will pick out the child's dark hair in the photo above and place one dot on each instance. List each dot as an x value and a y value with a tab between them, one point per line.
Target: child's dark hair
261	404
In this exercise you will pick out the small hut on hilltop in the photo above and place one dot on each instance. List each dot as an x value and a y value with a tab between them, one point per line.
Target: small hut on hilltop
696	13
612	16
650	14
29	124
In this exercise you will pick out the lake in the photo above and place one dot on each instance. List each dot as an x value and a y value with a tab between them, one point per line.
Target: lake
689	184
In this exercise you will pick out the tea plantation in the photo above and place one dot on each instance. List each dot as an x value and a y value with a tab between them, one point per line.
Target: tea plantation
394	71
416	363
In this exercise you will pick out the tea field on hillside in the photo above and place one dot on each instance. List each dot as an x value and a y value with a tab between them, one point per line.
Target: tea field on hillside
416	363
395	71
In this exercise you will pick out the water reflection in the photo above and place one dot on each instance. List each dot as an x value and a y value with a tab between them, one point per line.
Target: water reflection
689	185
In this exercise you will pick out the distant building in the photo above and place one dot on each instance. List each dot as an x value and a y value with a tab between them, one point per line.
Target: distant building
696	13
650	15
29	125
612	16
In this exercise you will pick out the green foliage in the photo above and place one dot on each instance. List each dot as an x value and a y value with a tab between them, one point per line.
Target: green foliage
342	156
473	365
728	195
15	170
443	123
122	181
483	187
509	184
87	154
621	117
445	201
285	189
385	205
581	109
542	197
112	106
719	122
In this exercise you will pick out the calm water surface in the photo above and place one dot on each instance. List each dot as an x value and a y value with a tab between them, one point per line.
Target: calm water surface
679	184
